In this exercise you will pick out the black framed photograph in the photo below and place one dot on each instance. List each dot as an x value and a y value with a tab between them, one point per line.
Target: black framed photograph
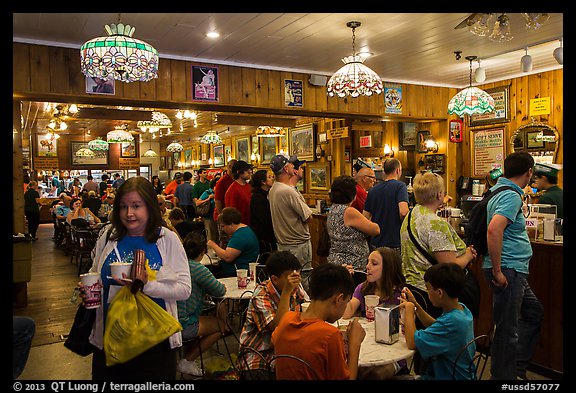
422	136
501	112
128	150
219	155
100	156
243	149
408	136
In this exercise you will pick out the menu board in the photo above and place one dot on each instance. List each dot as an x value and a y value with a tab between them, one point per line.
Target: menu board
488	150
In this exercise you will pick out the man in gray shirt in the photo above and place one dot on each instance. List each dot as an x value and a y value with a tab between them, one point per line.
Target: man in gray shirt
290	213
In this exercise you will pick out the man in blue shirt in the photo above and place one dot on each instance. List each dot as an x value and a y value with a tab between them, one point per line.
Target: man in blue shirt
184	196
517	312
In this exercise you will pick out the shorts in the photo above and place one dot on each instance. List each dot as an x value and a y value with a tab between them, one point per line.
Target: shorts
191	331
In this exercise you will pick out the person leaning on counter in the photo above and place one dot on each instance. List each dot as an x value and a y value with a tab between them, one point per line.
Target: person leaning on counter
546	179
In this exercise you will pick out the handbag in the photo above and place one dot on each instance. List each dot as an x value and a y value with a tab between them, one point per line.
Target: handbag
203	209
78	338
470	294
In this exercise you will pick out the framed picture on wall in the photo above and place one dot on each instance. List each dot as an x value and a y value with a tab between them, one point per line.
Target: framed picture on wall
267	149
318	176
302	142
100	157
455	130
532	141
501	112
408	136
219	155
422	136
243	149
204	83
128	149
47	146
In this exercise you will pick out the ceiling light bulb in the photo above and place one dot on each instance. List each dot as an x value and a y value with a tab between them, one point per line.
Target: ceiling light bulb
212	34
526	62
480	73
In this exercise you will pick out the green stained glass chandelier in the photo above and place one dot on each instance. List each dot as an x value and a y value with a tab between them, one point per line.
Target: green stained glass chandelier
124	58
471	100
98	144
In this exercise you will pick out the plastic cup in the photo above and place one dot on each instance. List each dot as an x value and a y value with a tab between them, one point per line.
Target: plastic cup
243	278
92	290
304	306
252	269
117	268
344	331
371	302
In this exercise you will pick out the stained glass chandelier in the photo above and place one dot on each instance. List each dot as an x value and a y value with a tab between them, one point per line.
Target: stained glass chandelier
270	132
174	147
471	100
211	136
119	135
98	144
354	79
125	58
158	122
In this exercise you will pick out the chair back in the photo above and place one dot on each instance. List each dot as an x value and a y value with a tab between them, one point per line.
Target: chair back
292	361
244	369
471	369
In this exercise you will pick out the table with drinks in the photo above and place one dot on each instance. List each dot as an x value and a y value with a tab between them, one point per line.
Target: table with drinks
373	353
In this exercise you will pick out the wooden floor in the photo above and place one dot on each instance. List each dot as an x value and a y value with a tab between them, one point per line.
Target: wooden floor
53	281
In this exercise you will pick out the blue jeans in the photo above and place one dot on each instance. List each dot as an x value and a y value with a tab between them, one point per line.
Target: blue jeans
23	329
517	314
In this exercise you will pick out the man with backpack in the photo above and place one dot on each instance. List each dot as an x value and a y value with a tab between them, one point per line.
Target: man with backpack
517	313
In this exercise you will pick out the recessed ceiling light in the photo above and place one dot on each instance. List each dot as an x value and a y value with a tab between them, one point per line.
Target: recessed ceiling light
212	34
365	55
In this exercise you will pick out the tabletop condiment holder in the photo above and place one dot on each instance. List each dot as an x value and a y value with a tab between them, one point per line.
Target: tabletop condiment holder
387	323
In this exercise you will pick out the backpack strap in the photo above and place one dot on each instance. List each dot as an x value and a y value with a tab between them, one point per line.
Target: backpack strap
503	188
426	254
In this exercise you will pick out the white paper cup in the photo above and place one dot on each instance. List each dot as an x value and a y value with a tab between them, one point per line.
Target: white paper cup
243	278
304	306
371	302
92	290
117	268
252	269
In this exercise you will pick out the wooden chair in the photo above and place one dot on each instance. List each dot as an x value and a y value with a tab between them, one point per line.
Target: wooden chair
286	358
476	359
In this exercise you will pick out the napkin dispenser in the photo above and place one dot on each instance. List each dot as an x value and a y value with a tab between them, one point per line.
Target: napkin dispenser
387	323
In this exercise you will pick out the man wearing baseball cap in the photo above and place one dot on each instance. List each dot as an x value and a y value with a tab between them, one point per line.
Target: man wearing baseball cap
546	179
290	213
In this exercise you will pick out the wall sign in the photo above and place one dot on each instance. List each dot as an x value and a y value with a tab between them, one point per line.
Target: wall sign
366	141
293	95
488	150
501	112
205	83
455	130
393	98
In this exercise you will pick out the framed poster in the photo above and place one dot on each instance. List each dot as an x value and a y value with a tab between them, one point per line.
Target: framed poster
532	141
408	136
100	156
187	158
243	149
422	136
47	146
455	130
175	160
100	86
302	142
169	160
204	83
128	149
318	176
501	112
219	155
488	150
393	98
267	149
293	93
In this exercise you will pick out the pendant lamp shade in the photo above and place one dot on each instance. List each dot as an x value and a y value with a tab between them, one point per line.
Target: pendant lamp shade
174	147
354	78
119	135
98	144
471	100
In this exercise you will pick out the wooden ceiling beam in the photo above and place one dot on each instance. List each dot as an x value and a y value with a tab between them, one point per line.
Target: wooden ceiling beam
113	114
256	121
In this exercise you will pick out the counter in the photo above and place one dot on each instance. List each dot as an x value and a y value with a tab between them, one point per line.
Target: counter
45	214
546	274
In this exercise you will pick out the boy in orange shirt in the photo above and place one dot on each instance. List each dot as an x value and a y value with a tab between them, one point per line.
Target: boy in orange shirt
308	336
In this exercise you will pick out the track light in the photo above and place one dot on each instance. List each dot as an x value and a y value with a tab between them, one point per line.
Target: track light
480	73
526	62
559	53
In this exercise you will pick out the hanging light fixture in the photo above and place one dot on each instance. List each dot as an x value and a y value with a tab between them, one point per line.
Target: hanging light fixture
480	26
559	53
269	132
119	135
84	151
98	144
159	121
534	21
125	58
480	73
150	153
501	32
354	79
211	136
471	100
174	147
526	62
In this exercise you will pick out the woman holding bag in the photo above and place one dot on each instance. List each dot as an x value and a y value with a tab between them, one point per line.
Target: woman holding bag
137	224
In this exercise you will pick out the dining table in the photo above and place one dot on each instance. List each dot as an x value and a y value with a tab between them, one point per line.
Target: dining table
373	353
232	290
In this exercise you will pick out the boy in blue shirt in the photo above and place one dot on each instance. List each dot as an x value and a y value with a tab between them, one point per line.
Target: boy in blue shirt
443	338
